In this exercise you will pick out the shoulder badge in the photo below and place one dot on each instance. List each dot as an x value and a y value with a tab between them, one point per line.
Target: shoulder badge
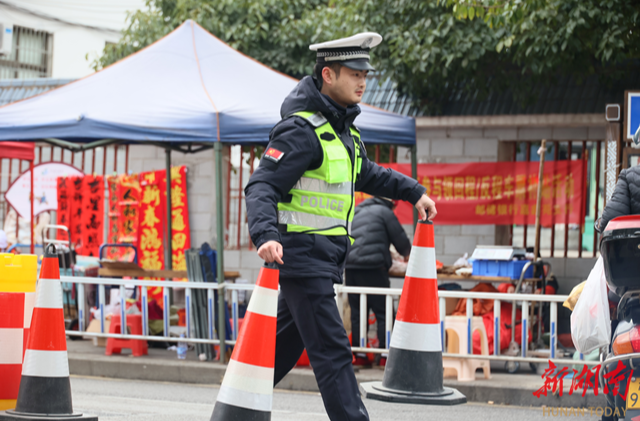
316	119
274	155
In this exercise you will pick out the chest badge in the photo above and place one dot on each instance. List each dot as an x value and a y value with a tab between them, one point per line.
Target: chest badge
274	155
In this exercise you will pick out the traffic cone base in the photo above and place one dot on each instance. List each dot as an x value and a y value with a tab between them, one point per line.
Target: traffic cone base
13	415
223	411
414	371
416	377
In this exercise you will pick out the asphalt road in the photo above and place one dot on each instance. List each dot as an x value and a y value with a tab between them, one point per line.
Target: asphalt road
126	400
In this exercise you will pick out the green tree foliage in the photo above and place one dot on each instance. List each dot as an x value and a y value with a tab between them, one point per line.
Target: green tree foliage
430	48
263	29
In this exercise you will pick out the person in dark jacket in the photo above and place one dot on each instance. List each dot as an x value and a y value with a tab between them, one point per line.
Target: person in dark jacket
375	227
300	208
625	199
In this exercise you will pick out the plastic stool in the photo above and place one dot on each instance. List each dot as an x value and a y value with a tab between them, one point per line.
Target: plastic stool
457	344
137	346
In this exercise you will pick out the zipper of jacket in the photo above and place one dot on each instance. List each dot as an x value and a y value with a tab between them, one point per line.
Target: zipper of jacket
353	181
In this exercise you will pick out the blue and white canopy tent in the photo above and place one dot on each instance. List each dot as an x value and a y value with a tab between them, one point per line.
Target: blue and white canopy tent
188	88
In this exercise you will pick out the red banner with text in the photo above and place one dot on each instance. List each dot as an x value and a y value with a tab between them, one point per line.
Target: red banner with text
151	215
180	231
64	207
151	230
92	215
499	193
81	209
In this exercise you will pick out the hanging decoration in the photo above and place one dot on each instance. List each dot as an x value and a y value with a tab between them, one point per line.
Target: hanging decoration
64	206
81	209
92	214
113	214
180	237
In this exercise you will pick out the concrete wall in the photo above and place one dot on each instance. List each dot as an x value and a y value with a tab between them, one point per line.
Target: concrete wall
200	185
451	145
454	146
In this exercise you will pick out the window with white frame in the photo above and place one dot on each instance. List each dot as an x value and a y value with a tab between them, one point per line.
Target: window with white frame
30	55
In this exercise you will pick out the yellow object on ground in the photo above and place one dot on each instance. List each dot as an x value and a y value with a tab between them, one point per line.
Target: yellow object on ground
18	274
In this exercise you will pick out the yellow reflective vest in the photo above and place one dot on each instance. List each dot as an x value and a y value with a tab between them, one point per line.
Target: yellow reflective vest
322	200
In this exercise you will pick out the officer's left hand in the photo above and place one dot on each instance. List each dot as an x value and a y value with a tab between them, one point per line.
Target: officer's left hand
424	205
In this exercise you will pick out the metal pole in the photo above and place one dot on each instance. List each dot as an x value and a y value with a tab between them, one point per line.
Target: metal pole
31	204
220	249
414	175
167	248
542	151
566	203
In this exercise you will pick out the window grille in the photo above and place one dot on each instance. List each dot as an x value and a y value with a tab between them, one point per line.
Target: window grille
30	55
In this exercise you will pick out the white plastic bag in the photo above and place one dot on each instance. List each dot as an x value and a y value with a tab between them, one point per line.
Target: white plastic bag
462	262
590	321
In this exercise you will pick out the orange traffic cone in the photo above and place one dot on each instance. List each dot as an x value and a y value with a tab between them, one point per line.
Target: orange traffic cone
413	373
246	392
45	389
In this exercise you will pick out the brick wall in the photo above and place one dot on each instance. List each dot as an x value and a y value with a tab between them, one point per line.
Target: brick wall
449	146
452	146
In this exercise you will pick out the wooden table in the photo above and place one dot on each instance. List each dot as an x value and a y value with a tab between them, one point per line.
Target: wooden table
486	279
119	269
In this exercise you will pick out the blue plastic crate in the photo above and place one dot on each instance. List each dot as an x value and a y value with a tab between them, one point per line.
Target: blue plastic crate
508	268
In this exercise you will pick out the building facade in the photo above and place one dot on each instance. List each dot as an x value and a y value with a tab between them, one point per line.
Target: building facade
58	39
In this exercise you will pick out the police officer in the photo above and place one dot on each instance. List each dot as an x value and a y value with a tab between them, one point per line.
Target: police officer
300	204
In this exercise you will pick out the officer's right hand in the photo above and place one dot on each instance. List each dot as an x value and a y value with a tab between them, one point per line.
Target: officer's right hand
271	251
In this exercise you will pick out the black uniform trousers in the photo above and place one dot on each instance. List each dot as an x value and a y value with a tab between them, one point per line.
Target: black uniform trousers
308	318
378	278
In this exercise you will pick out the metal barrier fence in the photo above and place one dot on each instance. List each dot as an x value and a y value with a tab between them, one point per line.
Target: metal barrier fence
122	284
525	301
390	294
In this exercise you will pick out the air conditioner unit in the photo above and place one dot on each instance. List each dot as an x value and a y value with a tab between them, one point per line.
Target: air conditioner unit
6	38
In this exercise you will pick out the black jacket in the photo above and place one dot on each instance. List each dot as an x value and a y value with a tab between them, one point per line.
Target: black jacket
311	255
374	227
626	197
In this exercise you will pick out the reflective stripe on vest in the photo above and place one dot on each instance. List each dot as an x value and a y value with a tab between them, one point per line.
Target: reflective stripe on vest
309	220
322	201
321	186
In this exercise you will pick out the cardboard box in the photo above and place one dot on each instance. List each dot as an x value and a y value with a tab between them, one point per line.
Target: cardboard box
94	327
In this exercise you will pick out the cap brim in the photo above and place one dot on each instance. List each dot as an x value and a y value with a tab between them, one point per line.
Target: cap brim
358	65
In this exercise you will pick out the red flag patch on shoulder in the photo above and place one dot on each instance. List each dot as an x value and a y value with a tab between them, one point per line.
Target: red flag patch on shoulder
273	154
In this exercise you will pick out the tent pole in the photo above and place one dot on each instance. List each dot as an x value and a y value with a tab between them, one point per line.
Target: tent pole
32	199
167	248
220	252
414	175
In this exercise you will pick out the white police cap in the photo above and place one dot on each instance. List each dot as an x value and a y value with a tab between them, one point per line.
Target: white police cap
351	52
